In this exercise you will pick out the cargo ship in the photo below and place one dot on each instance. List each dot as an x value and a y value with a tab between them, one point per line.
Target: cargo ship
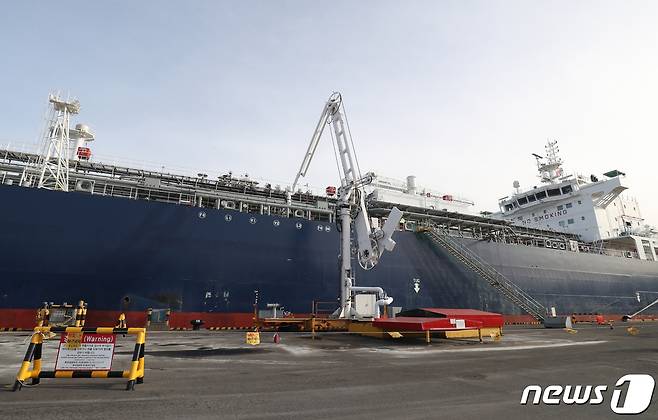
126	238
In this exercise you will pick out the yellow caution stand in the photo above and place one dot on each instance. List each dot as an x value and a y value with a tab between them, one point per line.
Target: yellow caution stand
253	338
80	314
135	374
122	321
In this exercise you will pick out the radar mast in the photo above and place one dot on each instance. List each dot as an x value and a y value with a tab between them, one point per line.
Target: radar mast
550	166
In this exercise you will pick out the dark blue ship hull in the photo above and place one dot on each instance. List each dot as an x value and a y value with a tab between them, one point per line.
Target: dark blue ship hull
118	253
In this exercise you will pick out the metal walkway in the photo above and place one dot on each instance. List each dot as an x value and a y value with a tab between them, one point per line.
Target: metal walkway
474	262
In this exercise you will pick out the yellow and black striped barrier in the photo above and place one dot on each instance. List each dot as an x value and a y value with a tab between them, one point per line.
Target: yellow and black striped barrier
135	374
80	314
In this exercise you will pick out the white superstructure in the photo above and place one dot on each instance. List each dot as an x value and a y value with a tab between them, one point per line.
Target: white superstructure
407	193
590	207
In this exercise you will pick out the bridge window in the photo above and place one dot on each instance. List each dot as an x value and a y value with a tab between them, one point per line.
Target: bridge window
523	200
532	198
567	189
554	192
508	207
541	194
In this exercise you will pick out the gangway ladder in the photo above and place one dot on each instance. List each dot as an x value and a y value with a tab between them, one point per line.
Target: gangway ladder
497	280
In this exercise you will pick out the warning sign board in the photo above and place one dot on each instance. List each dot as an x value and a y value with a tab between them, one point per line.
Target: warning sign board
85	351
253	338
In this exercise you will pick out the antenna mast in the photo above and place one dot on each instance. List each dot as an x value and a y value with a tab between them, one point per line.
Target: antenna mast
549	169
55	163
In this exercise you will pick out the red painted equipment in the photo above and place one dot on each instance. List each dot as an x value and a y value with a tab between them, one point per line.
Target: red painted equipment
84	153
488	319
407	323
331	191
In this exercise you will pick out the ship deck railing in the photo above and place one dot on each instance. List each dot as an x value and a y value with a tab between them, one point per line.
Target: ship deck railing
108	180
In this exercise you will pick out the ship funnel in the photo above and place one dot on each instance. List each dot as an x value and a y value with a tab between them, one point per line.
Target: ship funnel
411	184
82	135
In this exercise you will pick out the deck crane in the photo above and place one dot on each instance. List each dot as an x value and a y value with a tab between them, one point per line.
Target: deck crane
353	214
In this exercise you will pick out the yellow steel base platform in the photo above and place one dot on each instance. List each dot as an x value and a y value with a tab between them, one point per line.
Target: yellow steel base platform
305	324
484	332
366	329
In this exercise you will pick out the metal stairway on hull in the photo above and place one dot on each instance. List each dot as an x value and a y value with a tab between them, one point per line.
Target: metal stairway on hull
497	280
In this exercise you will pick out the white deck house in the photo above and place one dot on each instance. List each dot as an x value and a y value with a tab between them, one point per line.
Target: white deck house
590	207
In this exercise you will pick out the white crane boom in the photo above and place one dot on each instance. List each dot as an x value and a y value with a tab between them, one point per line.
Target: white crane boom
315	140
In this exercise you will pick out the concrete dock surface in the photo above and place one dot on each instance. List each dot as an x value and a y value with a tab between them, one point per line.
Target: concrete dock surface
216	375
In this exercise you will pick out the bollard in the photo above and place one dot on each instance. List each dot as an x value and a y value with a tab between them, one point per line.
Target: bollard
149	316
557	322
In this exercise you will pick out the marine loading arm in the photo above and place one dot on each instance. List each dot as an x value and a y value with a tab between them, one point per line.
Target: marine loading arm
371	244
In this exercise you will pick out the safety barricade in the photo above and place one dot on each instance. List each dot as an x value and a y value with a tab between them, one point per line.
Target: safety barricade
72	336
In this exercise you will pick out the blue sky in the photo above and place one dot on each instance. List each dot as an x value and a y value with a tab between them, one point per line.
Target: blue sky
457	93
